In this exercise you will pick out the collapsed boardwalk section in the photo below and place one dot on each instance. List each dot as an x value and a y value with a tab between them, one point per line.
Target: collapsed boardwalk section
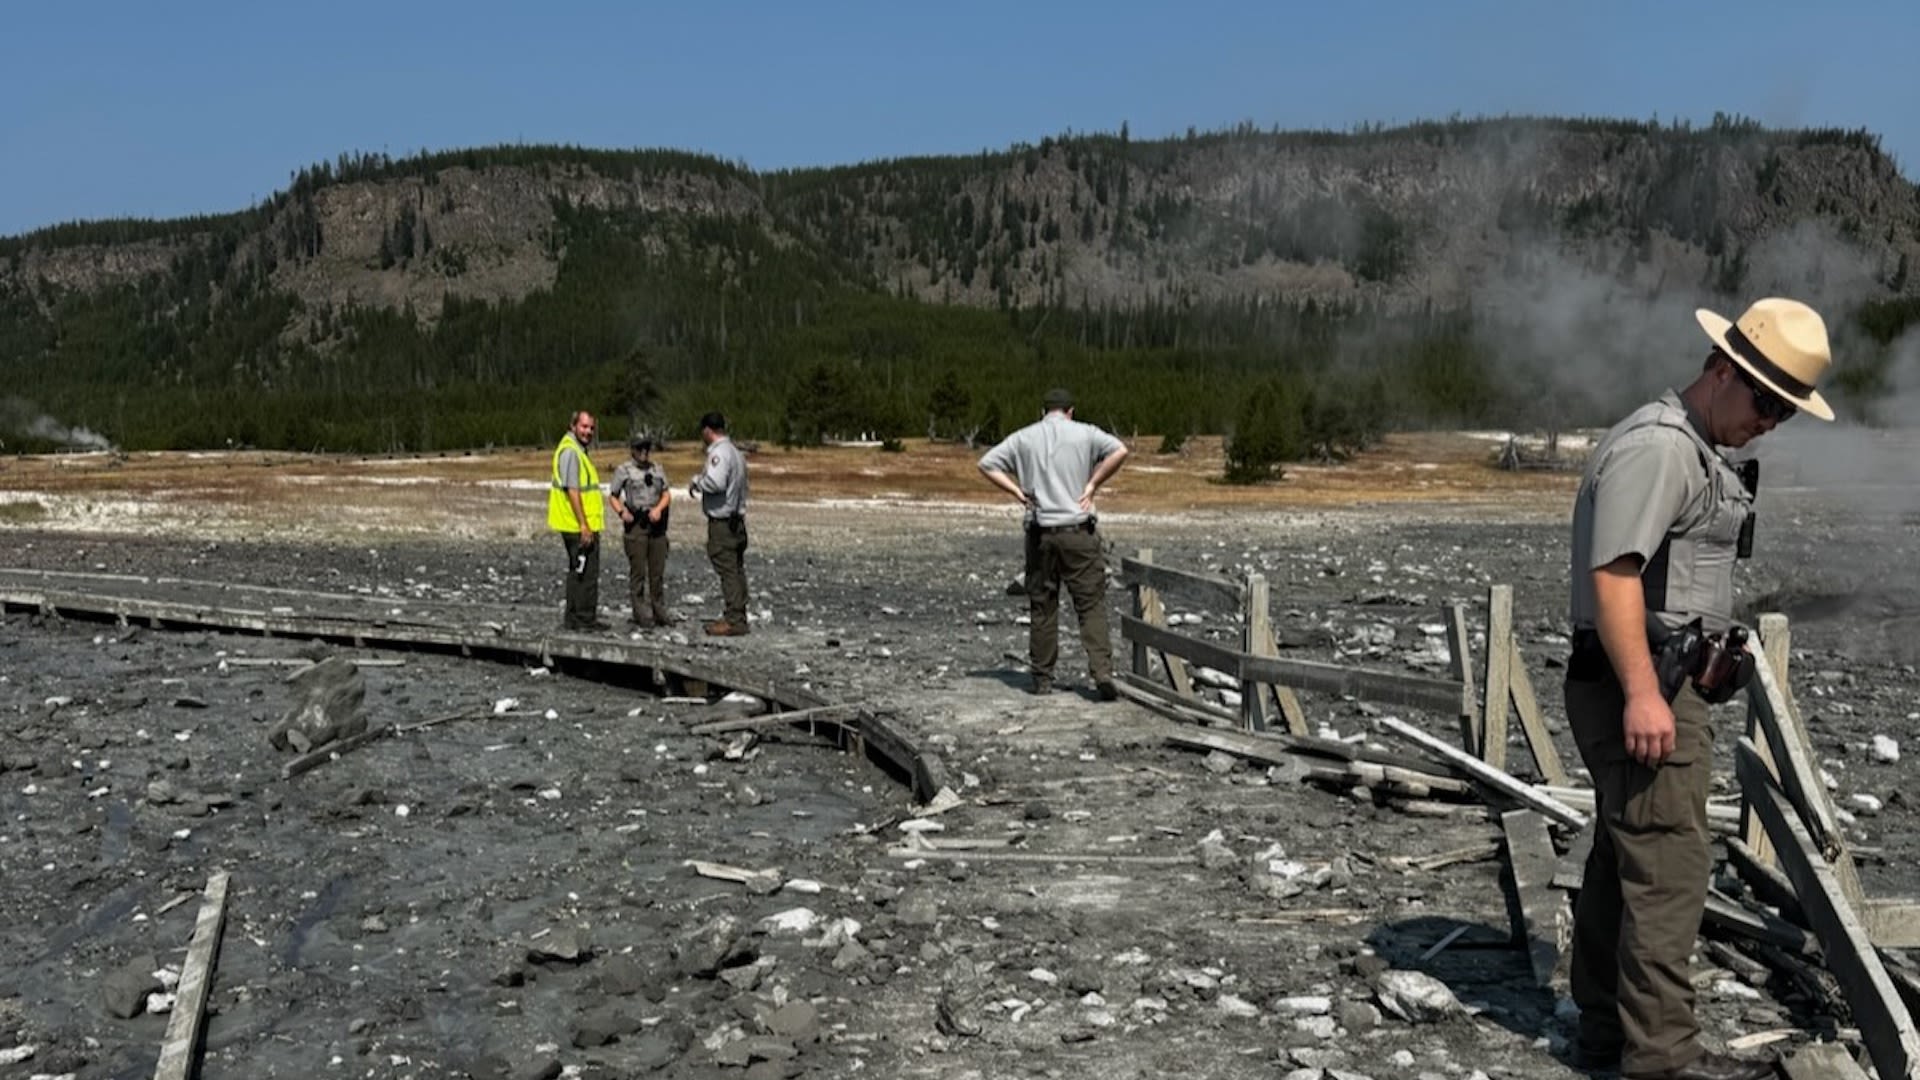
1816	908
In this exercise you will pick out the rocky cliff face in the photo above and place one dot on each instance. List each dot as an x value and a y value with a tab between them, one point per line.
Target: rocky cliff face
1444	214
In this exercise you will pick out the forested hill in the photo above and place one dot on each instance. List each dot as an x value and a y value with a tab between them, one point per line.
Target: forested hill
1386	277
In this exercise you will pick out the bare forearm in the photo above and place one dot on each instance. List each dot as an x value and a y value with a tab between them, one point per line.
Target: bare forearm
1621	622
1105	469
1005	482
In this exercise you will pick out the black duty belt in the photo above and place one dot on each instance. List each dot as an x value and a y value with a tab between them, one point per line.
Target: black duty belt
730	519
1080	526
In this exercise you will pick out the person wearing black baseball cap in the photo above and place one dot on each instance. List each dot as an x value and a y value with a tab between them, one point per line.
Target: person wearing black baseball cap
641	495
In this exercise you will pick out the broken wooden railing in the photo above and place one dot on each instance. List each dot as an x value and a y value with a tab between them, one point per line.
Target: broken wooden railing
1804	908
1266	682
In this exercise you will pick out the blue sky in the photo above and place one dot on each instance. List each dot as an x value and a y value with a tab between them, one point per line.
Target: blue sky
155	110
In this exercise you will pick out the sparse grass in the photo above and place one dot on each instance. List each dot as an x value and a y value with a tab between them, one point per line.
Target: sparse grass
25	512
274	491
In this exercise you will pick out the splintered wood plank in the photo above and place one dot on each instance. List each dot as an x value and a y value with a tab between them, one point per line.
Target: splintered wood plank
1546	757
1540	913
1493	726
1460	649
1775	642
1799	777
1885	1025
1475	769
180	1052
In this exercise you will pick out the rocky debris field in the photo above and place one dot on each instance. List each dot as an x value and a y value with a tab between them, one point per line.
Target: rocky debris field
509	894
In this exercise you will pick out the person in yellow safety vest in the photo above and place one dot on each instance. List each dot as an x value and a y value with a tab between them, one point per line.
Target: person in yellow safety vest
576	510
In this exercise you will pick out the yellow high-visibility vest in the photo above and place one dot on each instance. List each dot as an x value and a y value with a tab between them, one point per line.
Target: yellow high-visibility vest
559	509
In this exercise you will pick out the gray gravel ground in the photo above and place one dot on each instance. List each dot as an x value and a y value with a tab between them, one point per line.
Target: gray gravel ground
389	909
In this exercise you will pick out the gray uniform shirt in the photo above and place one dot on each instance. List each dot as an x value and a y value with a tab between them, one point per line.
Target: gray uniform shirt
1052	459
639	486
569	466
1655	488
722	485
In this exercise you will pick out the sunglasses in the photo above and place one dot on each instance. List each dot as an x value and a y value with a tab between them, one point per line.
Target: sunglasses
1766	404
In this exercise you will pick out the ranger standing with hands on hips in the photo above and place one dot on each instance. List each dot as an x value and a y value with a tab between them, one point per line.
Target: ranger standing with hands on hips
640	494
721	488
1053	467
1658	522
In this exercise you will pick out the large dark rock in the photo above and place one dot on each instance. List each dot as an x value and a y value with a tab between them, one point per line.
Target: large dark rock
124	992
326	706
703	951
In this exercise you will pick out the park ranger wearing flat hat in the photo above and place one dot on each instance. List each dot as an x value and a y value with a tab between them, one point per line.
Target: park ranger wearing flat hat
1660	518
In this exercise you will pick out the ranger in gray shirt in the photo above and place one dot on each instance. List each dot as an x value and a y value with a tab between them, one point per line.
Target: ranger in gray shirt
721	488
641	497
1053	468
1657	526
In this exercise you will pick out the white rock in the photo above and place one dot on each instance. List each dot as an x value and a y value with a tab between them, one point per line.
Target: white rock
16	1055
1236	1006
1885	750
801	885
1416	997
160	1003
402	810
1865	802
1733	988
1302	1005
921	825
1042	975
1303	1074
1320	1027
505	705
791	921
552	714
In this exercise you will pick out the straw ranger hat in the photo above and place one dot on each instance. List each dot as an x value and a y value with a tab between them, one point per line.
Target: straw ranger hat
1781	343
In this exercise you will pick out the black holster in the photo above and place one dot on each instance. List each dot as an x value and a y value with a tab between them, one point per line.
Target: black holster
1718	665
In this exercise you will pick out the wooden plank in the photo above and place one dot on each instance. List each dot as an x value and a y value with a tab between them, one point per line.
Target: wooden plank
1885	1025
309	762
1474	769
1278	752
1220	594
1799	777
755	723
1764	880
1775	641
1205	653
1540	914
1171	703
180	1051
1257	630
1283	695
1499	683
1822	1061
1719	815
1152	611
1460	651
1385	687
1546	757
1042	857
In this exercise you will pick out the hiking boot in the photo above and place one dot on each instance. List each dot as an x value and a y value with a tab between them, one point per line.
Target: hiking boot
1105	690
1042	686
723	628
661	618
1594	1057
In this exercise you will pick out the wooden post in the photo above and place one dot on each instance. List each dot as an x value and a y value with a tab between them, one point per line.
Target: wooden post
1257	630
1539	913
1142	595
1493	729
1459	647
1154	613
1775	639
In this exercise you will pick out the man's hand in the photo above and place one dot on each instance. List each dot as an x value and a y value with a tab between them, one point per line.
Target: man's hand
1086	498
587	536
653	515
1648	727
